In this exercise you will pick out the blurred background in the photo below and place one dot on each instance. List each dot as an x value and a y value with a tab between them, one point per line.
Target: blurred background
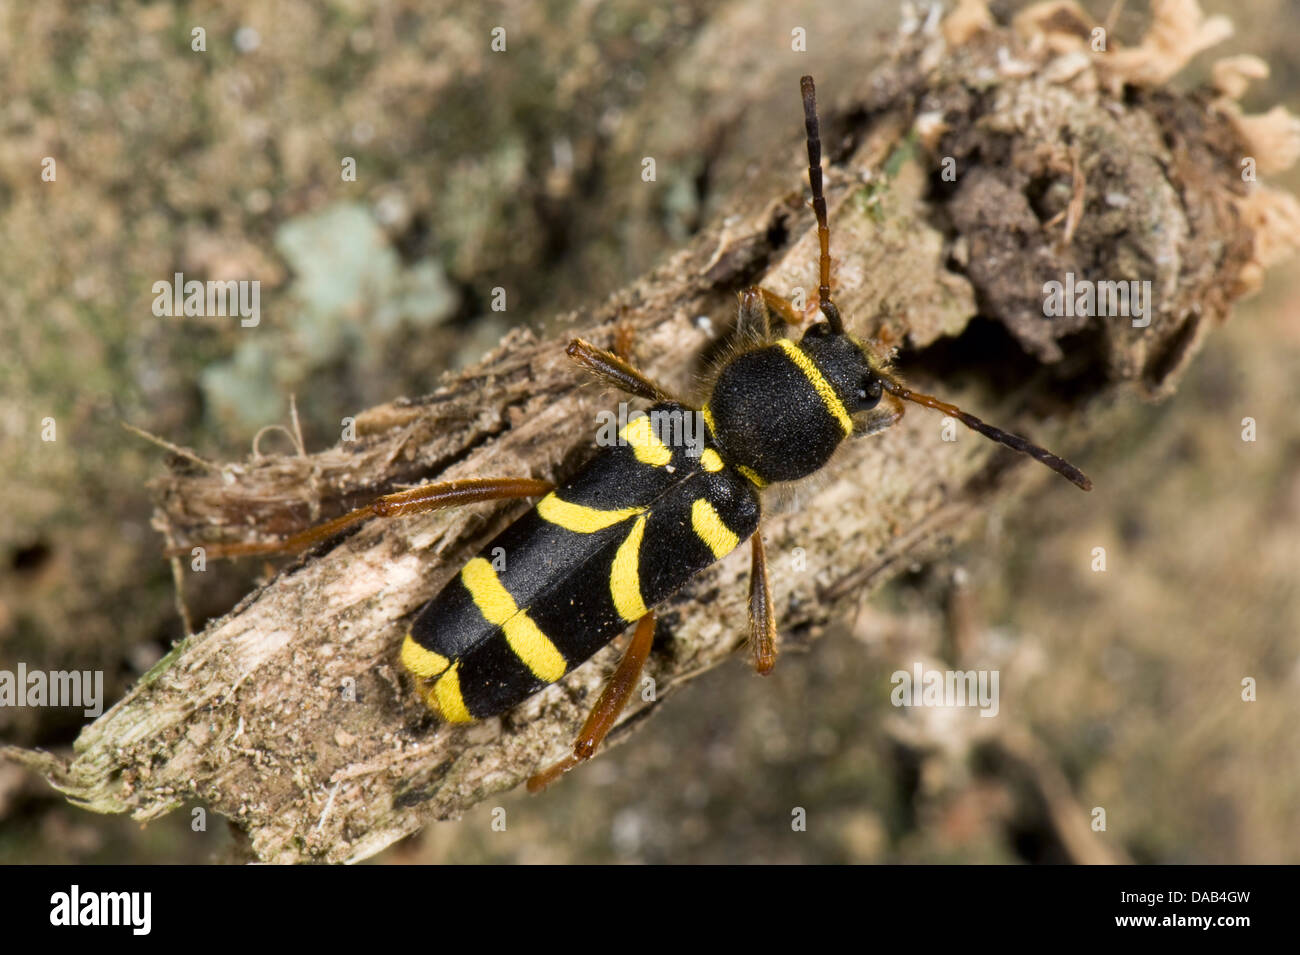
475	170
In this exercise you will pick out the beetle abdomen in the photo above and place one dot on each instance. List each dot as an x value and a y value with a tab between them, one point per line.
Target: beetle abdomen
593	556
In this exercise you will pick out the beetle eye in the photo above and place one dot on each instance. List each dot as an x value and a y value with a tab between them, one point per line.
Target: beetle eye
869	392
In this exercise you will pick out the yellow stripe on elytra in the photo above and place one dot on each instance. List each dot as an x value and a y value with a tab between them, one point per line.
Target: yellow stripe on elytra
709	528
490	595
710	460
578	517
625	575
446	699
752	475
534	648
423	662
645	443
819	383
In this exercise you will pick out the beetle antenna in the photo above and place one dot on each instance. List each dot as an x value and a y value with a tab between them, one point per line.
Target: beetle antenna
1014	441
819	202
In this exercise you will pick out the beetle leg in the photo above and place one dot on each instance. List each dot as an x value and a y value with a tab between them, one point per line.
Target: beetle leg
416	500
757	305
612	700
613	370
625	342
762	618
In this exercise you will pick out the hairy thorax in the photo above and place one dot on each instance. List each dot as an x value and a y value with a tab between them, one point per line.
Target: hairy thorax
780	411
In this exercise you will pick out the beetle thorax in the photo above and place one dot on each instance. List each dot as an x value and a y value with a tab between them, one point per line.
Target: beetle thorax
780	411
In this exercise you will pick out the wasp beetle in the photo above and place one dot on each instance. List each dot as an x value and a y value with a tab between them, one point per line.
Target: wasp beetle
599	552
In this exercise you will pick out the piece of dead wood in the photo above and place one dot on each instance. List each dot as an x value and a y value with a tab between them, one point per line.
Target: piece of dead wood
291	716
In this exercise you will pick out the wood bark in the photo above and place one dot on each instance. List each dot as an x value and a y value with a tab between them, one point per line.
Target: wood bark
291	714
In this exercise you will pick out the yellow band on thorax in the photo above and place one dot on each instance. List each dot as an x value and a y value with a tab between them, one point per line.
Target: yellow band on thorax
815	378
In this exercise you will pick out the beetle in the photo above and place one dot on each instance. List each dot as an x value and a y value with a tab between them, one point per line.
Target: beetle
645	515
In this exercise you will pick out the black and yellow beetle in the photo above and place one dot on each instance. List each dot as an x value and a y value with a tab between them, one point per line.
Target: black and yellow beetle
650	512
